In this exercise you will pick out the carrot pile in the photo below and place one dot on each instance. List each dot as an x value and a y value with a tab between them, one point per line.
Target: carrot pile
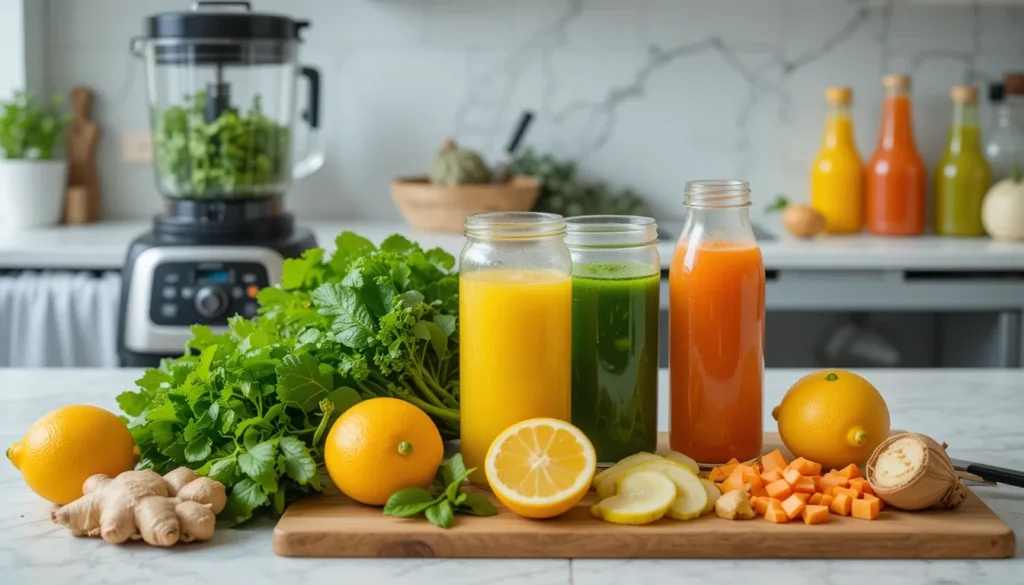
782	491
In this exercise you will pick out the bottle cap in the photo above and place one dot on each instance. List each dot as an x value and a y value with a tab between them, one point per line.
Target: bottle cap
896	82
996	93
839	94
1014	83
964	94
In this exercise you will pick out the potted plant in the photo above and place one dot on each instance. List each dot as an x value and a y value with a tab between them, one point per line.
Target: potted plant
32	178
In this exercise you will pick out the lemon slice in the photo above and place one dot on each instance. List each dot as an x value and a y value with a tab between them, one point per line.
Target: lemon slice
691	498
713	494
540	468
683	460
604	482
644	497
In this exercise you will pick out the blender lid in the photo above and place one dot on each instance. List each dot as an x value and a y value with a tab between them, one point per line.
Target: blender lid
211	34
212	20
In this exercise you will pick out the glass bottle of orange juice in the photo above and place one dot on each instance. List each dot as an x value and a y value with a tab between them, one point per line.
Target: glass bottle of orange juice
837	177
716	327
515	327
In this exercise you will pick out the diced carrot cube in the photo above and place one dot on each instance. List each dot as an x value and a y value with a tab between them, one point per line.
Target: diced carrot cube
881	504
841	505
792	506
717	475
777	516
850	471
804	485
817	482
865	509
774	504
802	497
773	460
862	485
779	489
833	479
791	475
854	494
770	476
827	490
815	514
735	481
805	467
826	500
755	466
815	499
751	476
759	504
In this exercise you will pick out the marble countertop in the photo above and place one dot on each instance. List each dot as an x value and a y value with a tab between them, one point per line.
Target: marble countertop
978	412
103	246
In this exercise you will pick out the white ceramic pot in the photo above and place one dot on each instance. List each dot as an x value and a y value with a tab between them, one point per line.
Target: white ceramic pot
31	192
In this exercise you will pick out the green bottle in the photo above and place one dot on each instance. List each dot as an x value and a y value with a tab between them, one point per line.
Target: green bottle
963	175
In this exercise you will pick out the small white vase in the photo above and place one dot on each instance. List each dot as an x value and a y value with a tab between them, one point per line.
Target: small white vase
31	192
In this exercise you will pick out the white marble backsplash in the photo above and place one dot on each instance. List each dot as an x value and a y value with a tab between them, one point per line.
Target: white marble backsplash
645	93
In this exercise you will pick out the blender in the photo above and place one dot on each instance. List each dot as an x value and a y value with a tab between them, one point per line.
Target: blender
221	83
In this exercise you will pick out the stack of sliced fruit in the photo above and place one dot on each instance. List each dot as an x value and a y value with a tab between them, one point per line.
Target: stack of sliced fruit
644	488
782	491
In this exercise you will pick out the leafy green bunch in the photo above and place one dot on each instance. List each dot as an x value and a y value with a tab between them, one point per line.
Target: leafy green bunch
251	407
30	129
237	153
564	192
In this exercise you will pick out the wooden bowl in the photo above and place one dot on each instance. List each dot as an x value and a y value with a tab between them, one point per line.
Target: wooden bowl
434	208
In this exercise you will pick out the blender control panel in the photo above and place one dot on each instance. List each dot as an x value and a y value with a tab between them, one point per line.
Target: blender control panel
206	293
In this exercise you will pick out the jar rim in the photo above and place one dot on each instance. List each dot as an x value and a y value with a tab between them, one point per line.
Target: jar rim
717	193
610	231
514	225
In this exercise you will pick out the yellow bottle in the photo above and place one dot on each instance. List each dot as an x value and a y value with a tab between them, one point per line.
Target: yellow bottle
837	178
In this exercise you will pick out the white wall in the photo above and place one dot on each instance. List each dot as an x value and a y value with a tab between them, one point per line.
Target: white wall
647	93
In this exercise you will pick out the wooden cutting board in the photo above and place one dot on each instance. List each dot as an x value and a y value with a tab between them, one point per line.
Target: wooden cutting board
332	525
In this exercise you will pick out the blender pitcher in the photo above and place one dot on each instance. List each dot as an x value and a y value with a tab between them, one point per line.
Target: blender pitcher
221	81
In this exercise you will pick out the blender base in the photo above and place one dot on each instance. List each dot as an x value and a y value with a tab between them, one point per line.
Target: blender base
172	281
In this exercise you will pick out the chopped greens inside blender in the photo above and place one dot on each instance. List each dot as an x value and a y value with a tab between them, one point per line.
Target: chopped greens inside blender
236	154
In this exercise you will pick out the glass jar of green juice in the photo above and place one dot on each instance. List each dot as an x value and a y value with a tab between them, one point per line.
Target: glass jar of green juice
616	273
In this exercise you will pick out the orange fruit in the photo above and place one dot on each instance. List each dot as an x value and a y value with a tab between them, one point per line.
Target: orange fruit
834	417
540	468
67	446
380	446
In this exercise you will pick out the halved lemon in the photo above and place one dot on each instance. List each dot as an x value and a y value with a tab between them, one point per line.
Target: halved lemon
540	468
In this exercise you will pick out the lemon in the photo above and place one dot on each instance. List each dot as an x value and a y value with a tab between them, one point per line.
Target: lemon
540	468
63	448
683	460
691	497
604	482
380	446
643	497
833	417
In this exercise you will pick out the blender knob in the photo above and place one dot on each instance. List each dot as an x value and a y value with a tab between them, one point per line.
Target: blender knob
211	301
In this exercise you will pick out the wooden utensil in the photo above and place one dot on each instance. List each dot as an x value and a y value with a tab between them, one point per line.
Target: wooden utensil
82	197
334	526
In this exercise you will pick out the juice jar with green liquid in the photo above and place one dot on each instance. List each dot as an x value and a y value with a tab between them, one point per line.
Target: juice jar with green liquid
616	278
963	175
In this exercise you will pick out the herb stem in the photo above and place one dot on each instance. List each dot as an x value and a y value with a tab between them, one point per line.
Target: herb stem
442	413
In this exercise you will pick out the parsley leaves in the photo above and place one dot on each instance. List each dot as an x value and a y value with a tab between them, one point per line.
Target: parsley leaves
251	407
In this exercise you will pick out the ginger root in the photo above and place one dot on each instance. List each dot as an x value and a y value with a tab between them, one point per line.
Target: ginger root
734	505
142	504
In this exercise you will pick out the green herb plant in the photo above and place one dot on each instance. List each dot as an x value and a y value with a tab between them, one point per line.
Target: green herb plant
443	500
30	129
564	192
252	406
242	155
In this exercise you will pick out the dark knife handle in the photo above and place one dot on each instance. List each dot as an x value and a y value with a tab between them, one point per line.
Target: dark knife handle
997	474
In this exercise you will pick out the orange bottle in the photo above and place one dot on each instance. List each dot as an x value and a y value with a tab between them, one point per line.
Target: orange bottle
896	176
716	327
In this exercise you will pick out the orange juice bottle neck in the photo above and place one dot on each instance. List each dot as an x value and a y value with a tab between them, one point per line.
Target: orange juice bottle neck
897	127
838	127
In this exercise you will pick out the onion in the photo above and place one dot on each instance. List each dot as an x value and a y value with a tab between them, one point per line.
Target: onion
913	472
